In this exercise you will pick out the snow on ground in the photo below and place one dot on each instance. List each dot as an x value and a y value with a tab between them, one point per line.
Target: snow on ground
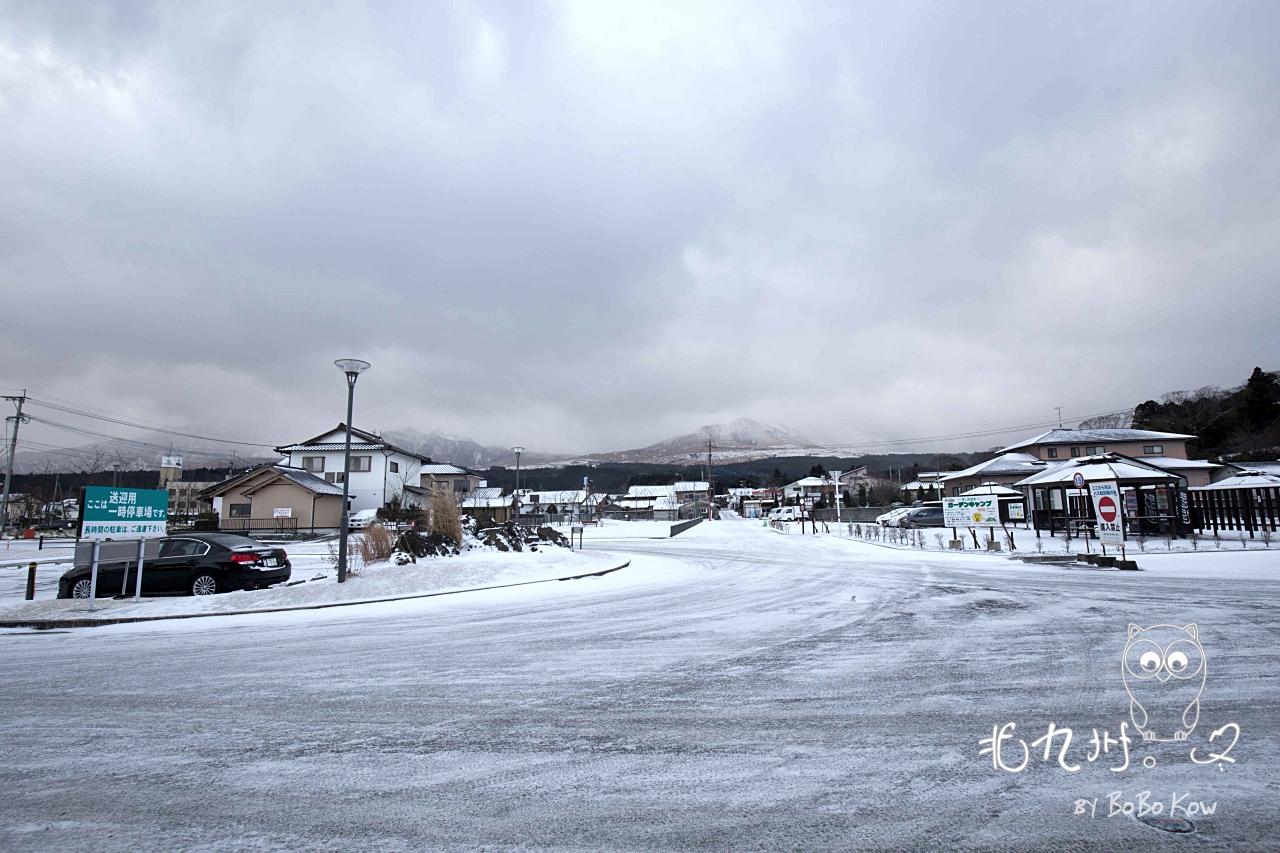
314	581
610	530
734	689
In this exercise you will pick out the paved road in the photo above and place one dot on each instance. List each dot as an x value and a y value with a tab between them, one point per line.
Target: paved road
725	693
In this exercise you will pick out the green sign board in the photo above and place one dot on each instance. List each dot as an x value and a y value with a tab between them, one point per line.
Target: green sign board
111	513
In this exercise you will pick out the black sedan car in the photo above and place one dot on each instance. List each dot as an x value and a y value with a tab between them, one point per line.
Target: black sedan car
192	563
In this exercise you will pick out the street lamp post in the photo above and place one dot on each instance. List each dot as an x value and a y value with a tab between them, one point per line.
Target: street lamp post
352	367
517	450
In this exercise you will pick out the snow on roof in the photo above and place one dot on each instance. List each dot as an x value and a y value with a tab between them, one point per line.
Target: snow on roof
1107	466
1168	463
809	481
1078	436
1243	480
648	492
487	492
486	502
1264	467
916	485
360	439
1006	463
692	486
440	468
305	479
553	496
992	489
355	445
309	481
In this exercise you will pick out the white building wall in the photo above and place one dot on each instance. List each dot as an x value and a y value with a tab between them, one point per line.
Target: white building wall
371	489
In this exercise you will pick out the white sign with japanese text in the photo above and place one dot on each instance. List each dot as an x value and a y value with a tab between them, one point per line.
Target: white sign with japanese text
971	511
1106	507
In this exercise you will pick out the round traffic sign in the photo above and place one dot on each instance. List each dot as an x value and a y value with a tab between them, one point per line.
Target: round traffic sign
1107	509
1078	479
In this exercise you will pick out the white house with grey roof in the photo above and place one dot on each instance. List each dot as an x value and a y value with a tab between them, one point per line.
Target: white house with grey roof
380	470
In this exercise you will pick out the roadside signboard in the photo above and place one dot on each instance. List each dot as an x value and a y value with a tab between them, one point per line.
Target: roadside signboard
971	511
1106	506
1016	511
282	512
112	513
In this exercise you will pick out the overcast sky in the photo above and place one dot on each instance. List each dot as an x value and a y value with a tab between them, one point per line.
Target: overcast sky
586	226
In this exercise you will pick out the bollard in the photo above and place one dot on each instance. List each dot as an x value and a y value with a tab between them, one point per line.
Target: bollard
41	548
31	581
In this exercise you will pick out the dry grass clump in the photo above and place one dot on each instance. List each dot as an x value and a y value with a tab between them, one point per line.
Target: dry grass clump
374	544
445	519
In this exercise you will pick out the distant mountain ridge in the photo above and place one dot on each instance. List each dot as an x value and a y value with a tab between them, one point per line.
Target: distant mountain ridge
738	441
455	450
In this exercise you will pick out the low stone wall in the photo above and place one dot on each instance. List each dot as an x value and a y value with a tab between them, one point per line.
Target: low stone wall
681	526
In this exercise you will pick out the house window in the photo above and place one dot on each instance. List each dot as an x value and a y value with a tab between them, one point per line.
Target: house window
240	510
361	463
314	464
1075	451
1093	451
460	486
1153	449
335	477
1053	453
394	467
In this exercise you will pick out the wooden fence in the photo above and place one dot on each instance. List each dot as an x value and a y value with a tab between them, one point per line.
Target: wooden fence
1252	510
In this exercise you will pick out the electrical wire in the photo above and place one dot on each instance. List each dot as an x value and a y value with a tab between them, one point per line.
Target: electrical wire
138	425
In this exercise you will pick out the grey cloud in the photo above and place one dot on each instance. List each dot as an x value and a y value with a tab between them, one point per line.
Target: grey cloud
585	227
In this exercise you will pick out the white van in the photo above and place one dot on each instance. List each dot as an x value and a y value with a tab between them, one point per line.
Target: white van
790	513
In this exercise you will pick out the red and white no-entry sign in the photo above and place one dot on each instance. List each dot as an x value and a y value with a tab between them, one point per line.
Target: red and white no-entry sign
1107	509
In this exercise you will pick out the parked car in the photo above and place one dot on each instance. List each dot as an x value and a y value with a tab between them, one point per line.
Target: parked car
362	519
193	563
924	516
893	516
57	524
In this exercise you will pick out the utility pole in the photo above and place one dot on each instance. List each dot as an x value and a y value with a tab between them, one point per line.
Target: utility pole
13	448
1059	408
711	482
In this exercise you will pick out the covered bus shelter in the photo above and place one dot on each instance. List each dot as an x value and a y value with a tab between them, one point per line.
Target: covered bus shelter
1249	501
1154	500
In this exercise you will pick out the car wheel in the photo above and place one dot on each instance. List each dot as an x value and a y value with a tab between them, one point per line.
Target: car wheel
82	588
205	584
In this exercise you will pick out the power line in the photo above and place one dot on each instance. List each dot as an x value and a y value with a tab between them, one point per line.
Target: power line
149	427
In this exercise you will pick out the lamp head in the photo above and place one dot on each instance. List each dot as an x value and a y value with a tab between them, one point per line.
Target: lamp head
352	366
517	450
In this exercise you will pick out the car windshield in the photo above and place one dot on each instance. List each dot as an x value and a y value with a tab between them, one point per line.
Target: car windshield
232	542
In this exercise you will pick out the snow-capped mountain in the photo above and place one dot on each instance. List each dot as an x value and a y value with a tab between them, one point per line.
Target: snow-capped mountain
463	451
738	441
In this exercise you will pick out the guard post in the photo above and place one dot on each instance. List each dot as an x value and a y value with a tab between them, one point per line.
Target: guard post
31	581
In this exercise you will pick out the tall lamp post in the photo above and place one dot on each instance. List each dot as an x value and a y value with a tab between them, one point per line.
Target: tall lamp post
352	367
517	451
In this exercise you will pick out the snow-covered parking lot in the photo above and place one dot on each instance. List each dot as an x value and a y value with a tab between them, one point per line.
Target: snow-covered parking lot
733	689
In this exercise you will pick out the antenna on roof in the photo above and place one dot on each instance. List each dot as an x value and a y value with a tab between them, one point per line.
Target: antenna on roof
1059	408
